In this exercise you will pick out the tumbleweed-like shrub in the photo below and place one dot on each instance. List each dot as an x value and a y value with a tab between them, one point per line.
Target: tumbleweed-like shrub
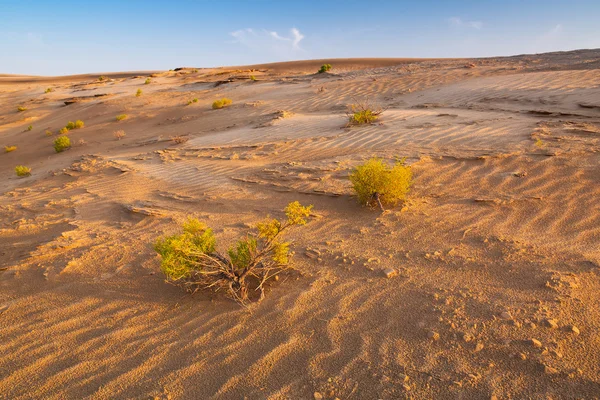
224	102
363	113
119	134
62	143
377	184
138	93
8	149
191	260
324	68
22	170
147	81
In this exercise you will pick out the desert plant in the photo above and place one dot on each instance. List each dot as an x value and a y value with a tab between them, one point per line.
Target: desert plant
30	127
179	139
79	124
101	78
192	101
363	113
22	170
121	117
324	68
138	93
539	143
147	81
21	109
252	78
81	142
224	102
375	183
48	90
48	132
62	131
73	125
191	259
194	71
119	134
62	143
8	149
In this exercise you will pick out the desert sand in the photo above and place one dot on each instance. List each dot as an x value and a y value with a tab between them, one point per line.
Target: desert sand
497	248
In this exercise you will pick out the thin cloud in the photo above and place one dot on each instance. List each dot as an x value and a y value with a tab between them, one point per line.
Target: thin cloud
459	23
271	39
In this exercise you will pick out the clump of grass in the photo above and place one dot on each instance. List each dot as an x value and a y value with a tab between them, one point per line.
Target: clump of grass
119	134
62	131
22	170
363	113
191	259
73	125
324	68
192	101
121	117
81	142
62	143
252	78
138	93
21	109
194	71
8	149
48	90
30	127
147	81
48	132
224	102
179	139
375	183
539	143
101	78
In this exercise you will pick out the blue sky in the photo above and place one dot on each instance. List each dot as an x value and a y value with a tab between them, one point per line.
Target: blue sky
67	37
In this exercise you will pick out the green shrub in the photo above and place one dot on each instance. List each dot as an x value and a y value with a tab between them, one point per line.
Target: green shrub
324	68
191	259
121	117
252	78
363	113
79	124
62	131
138	93
62	143
8	149
101	78
22	170
375	183
30	127
21	109
224	102
147	82
48	90
73	125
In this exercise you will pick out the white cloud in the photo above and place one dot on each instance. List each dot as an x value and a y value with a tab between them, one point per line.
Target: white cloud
459	23
268	40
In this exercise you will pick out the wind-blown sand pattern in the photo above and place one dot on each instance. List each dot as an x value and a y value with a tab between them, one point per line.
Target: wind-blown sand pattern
499	235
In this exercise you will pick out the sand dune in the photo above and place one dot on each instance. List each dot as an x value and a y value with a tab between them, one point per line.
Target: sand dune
503	217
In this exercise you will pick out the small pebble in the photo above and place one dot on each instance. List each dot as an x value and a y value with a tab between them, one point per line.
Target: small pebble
318	396
505	315
551	323
574	329
535	343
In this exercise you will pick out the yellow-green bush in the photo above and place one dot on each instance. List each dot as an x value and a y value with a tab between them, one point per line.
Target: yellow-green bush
21	109
62	143
224	102
48	90
121	117
22	170
62	131
147	81
138	93
30	127
8	149
363	113
191	259
376	183
49	132
324	68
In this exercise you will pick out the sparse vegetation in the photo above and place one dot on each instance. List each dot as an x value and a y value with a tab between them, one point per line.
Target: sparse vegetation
121	117
252	78
324	68
191	259
363	113
179	139
21	109
148	81
30	127
224	102
101	78
194	71
22	170
119	134
62	143
8	149
194	100
48	132
138	93
81	142
539	143
72	125
62	131
48	90
375	183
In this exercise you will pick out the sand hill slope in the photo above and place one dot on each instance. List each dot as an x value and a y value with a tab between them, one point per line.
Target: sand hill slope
497	248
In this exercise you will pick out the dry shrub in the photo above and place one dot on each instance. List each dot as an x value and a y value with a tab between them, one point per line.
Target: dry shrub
119	134
375	183
363	113
191	260
22	170
21	109
179	139
121	117
48	132
224	102
62	143
8	149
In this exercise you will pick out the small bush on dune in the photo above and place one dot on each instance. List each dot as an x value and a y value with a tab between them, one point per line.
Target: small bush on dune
147	82
191	259
363	113
224	102
22	170
119	134
324	68
101	78
73	125
21	109
179	139
375	183
62	143
121	117
48	132
138	93
62	131
8	149
252	78
79	124
48	90
30	127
